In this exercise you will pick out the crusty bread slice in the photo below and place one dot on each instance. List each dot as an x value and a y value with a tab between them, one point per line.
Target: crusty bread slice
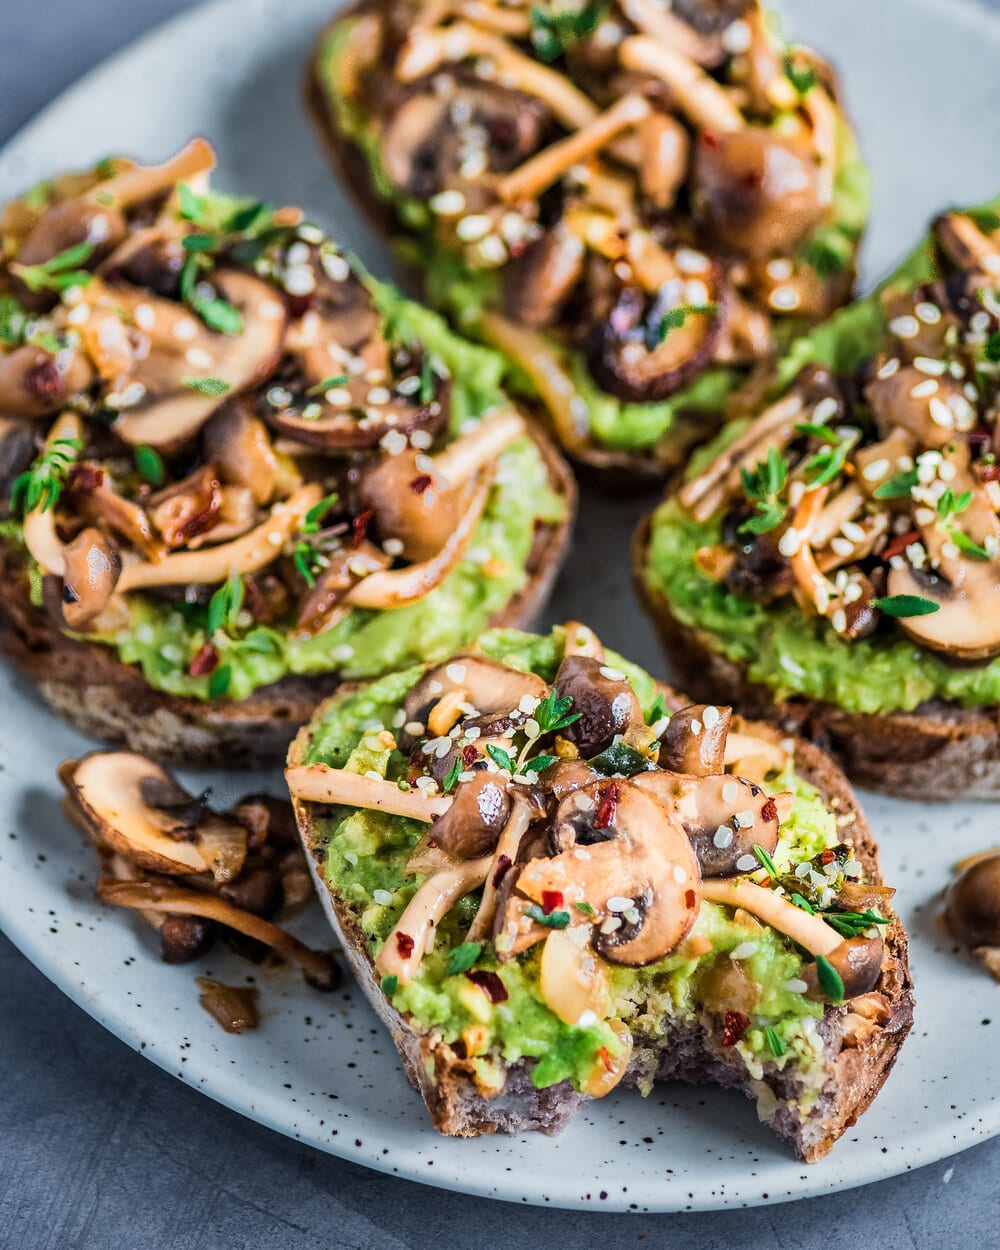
603	467
861	1038
938	751
102	697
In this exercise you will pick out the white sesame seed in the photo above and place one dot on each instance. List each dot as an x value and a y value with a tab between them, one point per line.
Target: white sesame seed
929	314
745	819
744	950
890	367
475	226
825	409
788	543
447	203
711	717
611	924
780	270
853	531
198	358
736	38
785	298
875	469
923	389
839	620
747	863
730	791
618	903
795	985
382	896
690	261
335	267
904	327
455	673
941	414
927	364
612	674
299	280
841	546
723	837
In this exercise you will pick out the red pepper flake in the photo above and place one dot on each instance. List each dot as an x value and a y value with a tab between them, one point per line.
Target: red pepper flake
690	898
770	810
989	472
733	1027
605	1058
827	857
551	899
404	944
359	526
421	483
469	755
900	543
608	806
708	140
205	662
490	984
502	868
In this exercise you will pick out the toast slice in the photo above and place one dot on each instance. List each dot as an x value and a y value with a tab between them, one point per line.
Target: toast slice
208	518
696	1013
554	369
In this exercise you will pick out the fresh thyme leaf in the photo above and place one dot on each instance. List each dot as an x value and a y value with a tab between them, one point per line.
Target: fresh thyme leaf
500	757
762	486
207	386
853	923
13	320
673	319
803	903
218	681
216	313
427	380
540	763
262	641
551	920
898	487
818	431
992	348
775	1044
765	861
829	980
827	465
830	249
658	710
964	543
335	379
451	777
461	958
311	522
149	462
192	206
552	713
305	557
950	504
553	33
226	603
585	907
40	487
219	315
906	605
198	243
803	80
59	272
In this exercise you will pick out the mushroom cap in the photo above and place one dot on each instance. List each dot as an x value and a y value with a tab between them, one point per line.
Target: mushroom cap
603	698
967	624
538	282
694	740
412	505
239	446
758	192
36	383
491	687
858	962
91	568
972	904
476	818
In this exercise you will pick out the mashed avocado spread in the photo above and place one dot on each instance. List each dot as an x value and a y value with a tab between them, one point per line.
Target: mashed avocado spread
464	293
364	862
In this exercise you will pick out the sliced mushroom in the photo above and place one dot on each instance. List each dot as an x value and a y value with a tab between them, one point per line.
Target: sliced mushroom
478	813
756	191
694	740
628	850
35	382
110	791
171	412
972	903
572	980
489	686
498	879
858	963
318	783
91	568
931	409
965	624
67	224
539	281
603	699
238	444
188	508
324	605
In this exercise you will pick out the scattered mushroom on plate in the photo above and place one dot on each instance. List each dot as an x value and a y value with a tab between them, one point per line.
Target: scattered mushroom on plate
233	467
550	875
194	874
636	203
972	908
834	558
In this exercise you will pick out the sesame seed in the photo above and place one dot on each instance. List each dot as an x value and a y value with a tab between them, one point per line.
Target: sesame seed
584	802
736	38
695	292
788	543
875	469
839	620
421	439
928	313
730	791
393	547
447	203
780	270
904	327
612	674
527	704
299	280
841	546
825	409
923	389
611	924
475	226
690	261
747	863
620	903
785	298
723	837
382	896
890	367
335	267
145	316
710	717
941	414
927	364
795	985
743	951
745	819
393	442
198	358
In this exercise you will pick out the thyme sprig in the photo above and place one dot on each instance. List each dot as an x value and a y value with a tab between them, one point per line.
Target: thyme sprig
39	487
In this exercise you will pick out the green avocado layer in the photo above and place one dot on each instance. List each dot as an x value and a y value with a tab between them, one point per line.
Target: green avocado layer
364	864
162	638
464	293
789	653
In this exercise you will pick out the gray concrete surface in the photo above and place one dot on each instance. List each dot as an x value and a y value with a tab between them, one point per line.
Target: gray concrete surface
99	1150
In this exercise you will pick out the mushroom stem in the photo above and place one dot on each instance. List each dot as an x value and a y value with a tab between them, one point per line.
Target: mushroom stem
399	587
40	535
145	181
153	896
528	181
698	95
671	31
425	50
245	555
504	858
479	447
319	783
809	931
406	945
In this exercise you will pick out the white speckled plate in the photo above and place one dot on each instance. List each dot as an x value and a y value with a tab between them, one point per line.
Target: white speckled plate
921	78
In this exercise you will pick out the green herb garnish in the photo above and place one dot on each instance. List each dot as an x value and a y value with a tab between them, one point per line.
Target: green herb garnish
852	923
829	980
207	386
540	763
551	920
964	543
585	907
553	33
60	272
621	759
658	711
765	861
906	605
311	522
673	319
463	957
803	80
500	757
149	462
39	488
451	777
335	379
553	713
427	380
390	985
218	682
307	561
216	312
775	1044
762	486
828	464
226	604
898	487
13	320
950	504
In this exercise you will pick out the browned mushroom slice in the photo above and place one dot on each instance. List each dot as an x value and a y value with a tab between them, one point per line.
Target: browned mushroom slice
93	497
629	860
176	400
967	245
930	408
17	450
756	191
35	382
964	623
647	349
603	699
119	794
423	149
858	963
476	818
91	569
972	903
572	980
487	685
419	500
539	282
323	605
694	740
238	444
187	509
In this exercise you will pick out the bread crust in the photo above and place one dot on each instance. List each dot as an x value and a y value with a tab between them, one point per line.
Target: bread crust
861	1039
89	686
608	470
939	751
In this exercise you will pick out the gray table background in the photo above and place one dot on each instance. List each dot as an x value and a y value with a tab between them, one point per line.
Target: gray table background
100	1150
